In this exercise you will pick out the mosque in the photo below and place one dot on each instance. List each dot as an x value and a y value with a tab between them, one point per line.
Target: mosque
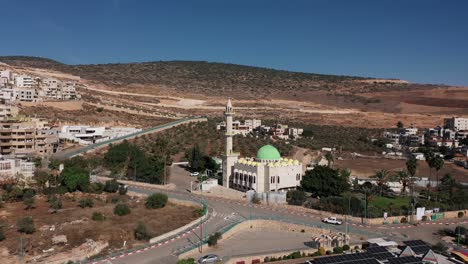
266	172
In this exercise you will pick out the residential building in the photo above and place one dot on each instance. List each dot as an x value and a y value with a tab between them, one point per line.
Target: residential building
26	94
12	169
24	81
86	135
26	138
456	123
7	111
5	78
56	89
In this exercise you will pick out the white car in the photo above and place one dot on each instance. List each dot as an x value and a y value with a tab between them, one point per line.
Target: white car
195	174
331	220
211	258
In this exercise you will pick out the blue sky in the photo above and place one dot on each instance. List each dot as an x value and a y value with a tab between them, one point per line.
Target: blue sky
417	40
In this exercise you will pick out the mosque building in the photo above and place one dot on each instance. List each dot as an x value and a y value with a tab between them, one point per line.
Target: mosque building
266	172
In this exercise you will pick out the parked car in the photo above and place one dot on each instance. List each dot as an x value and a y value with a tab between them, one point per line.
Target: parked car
331	220
211	258
195	174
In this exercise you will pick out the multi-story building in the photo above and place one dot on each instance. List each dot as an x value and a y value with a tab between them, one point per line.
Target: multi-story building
26	94
26	138
5	77
456	123
7	111
56	89
12	169
24	81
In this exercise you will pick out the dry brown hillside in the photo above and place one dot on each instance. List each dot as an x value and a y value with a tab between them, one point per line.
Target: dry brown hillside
174	89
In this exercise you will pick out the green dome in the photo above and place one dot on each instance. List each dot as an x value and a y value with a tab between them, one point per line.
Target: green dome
268	152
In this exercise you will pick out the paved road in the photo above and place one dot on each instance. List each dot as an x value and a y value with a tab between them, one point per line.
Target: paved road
66	154
225	212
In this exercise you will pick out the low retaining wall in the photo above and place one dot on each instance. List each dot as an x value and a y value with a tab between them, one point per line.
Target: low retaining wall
139	184
263	225
178	230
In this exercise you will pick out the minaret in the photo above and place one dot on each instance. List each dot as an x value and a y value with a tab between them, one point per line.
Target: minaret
228	115
229	157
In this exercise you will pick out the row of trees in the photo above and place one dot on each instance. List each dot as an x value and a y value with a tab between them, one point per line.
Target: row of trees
127	160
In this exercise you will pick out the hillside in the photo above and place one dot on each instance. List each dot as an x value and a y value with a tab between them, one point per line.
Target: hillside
173	89
191	76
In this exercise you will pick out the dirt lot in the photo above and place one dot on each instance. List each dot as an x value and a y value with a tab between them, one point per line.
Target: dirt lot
76	224
365	167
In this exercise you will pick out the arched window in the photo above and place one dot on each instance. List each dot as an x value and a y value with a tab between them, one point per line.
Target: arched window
278	179
254	178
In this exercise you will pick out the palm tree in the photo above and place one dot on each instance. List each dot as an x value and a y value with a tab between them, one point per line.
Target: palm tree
438	164
382	179
429	156
411	166
403	178
330	159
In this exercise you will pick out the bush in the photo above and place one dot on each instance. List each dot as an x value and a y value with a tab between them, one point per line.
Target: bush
55	203
346	247
141	232
186	261
439	247
25	225
87	202
256	199
122	190
98	216
329	252
296	197
213	239
424	218
95	187
460	214
2	234
99	109
403	220
337	250
115	199
111	186
322	251
29	202
156	200
122	209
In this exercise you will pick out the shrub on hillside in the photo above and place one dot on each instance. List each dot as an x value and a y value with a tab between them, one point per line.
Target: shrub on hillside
55	203
186	261
87	202
141	232
111	186
156	200
460	214
2	234
25	225
98	216
122	209
404	220
346	247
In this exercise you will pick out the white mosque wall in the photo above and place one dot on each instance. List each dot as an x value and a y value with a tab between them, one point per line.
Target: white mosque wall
289	177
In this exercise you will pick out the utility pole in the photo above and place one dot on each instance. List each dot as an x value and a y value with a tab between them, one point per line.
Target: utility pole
21	249
348	216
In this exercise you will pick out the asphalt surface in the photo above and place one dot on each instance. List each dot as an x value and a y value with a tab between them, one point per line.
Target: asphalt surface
225	212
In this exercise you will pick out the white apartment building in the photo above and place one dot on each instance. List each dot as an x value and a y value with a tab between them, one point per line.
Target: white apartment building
5	77
456	123
56	89
86	135
11	169
24	81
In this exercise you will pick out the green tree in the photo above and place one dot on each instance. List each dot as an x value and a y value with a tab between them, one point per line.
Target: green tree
186	261
156	201
381	177
403	178
438	165
400	125
411	165
429	156
324	181
296	197
195	158
25	225
75	178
